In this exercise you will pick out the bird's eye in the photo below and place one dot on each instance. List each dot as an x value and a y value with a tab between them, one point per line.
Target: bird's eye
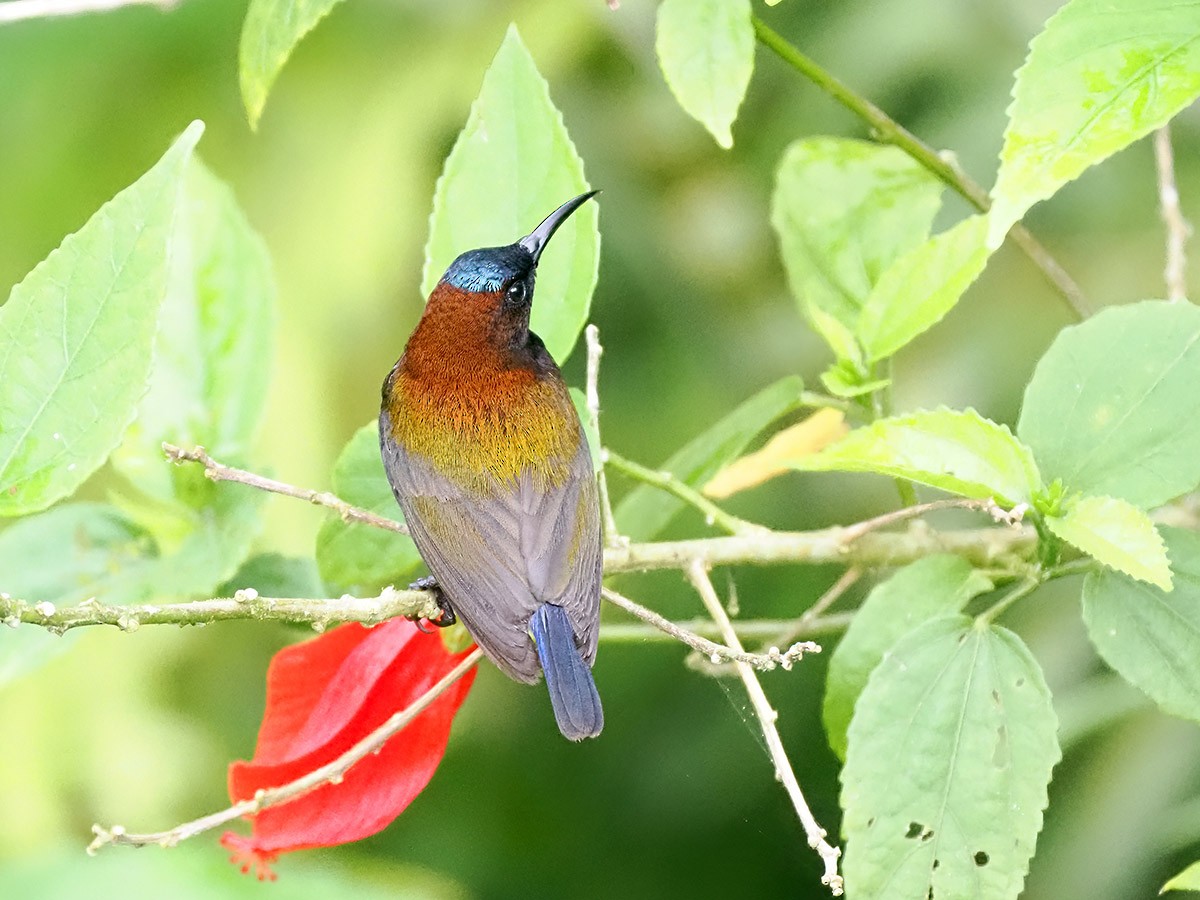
516	292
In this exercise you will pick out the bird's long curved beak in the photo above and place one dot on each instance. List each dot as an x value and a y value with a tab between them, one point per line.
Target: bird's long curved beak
535	242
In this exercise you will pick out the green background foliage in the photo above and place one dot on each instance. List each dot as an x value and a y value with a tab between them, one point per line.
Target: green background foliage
696	316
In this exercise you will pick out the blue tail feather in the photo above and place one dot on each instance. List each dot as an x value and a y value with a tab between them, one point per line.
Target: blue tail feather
568	678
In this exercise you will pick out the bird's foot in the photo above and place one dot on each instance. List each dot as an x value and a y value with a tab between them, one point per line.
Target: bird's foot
446	616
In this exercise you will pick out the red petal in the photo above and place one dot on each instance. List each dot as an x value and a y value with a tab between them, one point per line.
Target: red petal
325	695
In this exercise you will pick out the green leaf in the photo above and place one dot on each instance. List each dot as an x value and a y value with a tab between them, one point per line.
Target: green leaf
81	550
59	557
76	339
212	357
213	540
845	211
706	50
512	165
645	511
1151	637
950	752
355	557
843	379
1117	534
840	339
273	575
1106	408
270	33
931	587
919	288
1187	880
1102	74
959	452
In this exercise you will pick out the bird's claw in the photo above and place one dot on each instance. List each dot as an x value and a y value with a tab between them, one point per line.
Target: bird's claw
446	616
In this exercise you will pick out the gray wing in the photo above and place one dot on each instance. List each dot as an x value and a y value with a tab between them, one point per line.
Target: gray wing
499	556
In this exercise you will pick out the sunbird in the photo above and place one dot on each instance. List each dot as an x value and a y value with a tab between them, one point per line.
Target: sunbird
487	458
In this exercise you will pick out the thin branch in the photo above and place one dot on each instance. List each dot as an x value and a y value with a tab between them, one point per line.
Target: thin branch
767	716
321	614
982	547
941	165
245	604
816	612
20	10
850	545
749	629
1024	589
716	653
325	613
1172	216
860	545
989	506
846	546
216	471
612	535
264	799
666	481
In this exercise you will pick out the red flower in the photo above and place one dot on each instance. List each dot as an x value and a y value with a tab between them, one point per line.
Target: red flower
323	696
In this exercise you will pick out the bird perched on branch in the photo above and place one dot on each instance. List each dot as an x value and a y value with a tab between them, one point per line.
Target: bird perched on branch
487	458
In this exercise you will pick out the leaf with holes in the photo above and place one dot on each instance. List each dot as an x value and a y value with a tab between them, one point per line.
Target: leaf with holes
950	752
1105	409
956	451
1102	74
512	165
934	586
1152	637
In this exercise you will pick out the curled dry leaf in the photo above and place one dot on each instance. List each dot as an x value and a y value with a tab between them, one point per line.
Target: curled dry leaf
802	439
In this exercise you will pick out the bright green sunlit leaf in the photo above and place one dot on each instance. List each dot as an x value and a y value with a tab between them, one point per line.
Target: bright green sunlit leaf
706	50
513	165
844	211
1102	74
1187	880
270	33
917	290
1117	534
956	451
77	335
208	385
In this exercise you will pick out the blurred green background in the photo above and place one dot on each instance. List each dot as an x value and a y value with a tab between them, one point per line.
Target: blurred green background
678	796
